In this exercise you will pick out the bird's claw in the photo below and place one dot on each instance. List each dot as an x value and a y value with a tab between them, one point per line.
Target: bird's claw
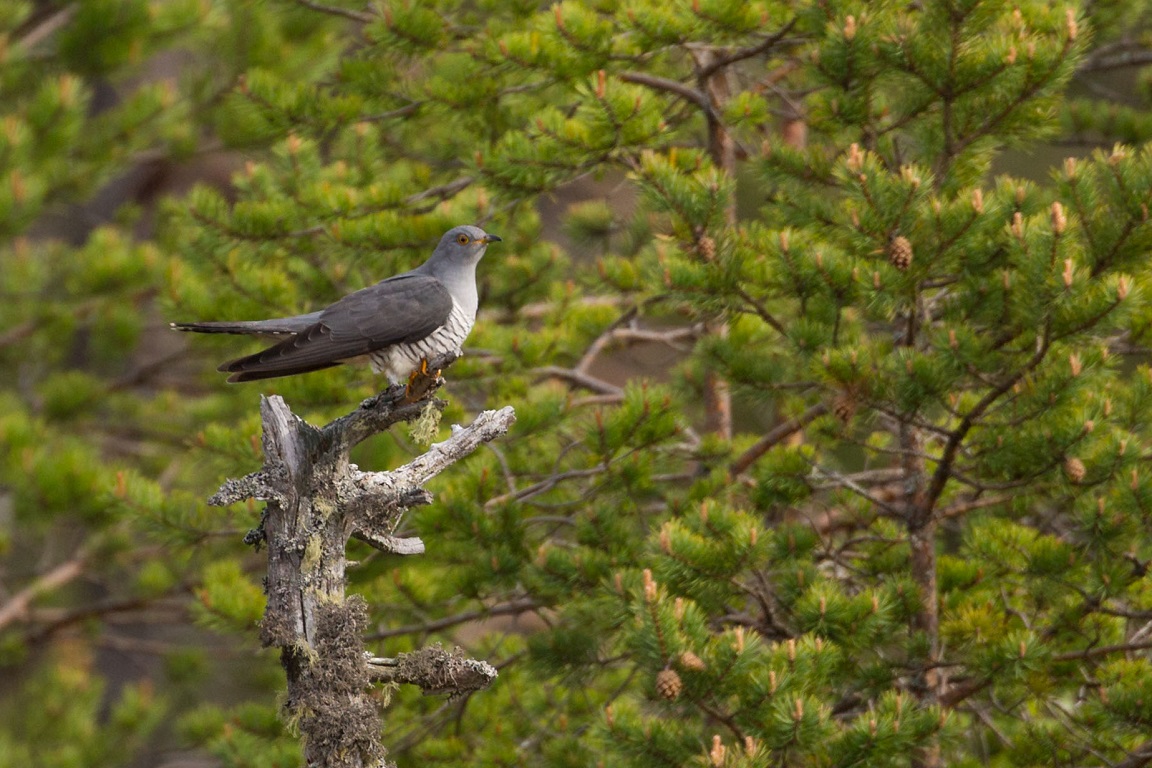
419	380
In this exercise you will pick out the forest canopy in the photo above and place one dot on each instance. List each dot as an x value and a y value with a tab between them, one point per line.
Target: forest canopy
825	325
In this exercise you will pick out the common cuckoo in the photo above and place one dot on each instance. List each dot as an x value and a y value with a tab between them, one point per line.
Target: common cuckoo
397	325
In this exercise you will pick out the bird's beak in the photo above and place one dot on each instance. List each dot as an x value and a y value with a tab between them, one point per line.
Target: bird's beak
491	239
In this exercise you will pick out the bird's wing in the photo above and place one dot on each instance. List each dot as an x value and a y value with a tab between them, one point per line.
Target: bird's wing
400	309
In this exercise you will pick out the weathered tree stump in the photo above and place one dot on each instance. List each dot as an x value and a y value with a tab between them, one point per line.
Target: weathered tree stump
317	500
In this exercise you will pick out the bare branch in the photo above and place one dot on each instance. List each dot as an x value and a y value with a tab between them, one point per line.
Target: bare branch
580	379
39	29
628	334
956	438
253	486
392	406
488	426
846	482
16	608
762	312
435	671
442	192
395	545
332	10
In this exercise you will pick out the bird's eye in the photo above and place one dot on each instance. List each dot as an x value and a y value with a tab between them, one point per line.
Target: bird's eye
462	239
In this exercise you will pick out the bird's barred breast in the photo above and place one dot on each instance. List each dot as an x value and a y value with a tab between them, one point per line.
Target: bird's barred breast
399	361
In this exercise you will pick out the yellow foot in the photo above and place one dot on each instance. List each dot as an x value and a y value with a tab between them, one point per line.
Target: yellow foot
414	390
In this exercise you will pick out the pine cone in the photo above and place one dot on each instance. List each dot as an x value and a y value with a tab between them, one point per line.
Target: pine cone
689	660
900	252
707	248
669	684
1074	469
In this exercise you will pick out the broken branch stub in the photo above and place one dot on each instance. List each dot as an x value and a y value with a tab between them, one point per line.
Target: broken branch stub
317	500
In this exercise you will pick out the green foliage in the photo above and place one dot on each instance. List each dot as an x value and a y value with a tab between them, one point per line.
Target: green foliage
926	541
101	501
60	732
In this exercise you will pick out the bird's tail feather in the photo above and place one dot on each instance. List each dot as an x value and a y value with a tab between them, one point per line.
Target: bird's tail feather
286	326
242	375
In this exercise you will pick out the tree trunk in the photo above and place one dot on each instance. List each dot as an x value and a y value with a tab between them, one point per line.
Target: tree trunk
316	501
722	148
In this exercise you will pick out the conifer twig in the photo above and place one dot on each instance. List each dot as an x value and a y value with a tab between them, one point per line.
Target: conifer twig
544	485
762	312
687	92
964	507
513	607
740	54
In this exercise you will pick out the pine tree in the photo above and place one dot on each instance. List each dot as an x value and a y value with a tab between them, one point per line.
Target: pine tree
887	506
101	541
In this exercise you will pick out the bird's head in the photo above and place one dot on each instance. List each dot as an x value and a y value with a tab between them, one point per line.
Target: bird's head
465	244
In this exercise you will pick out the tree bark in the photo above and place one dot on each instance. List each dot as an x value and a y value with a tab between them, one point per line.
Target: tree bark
722	148
316	502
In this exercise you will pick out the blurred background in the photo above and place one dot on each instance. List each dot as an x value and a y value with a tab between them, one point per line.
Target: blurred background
165	160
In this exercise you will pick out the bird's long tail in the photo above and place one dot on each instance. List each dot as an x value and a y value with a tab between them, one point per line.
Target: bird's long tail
283	326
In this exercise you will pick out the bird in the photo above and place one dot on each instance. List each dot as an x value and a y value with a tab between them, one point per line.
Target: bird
399	325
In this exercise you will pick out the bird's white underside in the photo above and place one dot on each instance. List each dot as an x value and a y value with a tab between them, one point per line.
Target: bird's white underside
400	360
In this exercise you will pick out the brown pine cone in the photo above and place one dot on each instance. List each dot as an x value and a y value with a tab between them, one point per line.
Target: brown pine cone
900	252
669	684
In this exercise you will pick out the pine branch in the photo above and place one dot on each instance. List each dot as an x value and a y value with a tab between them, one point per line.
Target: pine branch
1102	650
762	312
774	437
968	421
686	92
